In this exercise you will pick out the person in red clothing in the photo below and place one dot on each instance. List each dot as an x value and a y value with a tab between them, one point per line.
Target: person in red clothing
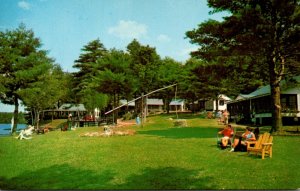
227	134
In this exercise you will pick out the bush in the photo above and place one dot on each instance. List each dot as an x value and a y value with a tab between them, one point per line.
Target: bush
128	116
5	117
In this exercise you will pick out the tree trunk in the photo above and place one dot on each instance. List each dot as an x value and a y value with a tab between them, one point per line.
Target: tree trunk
37	120
193	106
276	109
276	70
32	117
145	109
52	115
217	103
142	109
115	112
168	105
16	115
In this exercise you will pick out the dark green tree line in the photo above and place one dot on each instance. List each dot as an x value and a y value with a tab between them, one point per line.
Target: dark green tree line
264	34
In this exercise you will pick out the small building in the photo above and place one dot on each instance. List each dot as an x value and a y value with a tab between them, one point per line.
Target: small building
157	105
74	109
64	110
256	106
210	105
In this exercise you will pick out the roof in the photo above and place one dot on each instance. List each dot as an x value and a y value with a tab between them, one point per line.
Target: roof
177	102
224	97
71	107
153	101
266	90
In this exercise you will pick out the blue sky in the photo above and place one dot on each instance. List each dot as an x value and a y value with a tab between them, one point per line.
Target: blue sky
65	26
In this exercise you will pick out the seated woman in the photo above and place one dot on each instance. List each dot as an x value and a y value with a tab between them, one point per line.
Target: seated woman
240	144
227	132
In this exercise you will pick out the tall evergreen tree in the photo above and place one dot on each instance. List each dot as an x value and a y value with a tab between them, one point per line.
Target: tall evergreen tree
22	63
86	64
43	94
114	77
266	31
169	73
144	65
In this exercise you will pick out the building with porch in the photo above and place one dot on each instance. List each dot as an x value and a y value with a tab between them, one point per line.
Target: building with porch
256	106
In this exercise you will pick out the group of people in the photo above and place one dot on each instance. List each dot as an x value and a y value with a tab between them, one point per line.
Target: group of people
223	116
239	143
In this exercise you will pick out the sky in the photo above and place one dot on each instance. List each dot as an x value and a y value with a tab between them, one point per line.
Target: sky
65	26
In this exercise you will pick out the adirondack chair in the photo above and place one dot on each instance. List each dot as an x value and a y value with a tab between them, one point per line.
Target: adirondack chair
263	145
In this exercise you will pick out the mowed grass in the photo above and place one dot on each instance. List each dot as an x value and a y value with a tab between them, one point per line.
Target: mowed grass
159	156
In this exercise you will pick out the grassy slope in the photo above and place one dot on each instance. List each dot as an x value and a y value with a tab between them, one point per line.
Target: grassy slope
158	157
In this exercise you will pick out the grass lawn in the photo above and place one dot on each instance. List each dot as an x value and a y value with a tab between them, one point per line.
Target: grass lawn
159	156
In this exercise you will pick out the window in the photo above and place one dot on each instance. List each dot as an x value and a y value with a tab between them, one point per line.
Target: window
221	102
288	102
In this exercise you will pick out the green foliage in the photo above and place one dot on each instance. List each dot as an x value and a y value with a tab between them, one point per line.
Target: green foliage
44	93
6	117
144	65
128	116
113	75
86	64
93	99
157	157
22	64
168	73
263	34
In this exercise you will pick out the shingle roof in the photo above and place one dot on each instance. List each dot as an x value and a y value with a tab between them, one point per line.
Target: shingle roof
72	107
266	90
153	101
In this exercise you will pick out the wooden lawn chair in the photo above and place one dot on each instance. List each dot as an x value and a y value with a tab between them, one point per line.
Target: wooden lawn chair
263	145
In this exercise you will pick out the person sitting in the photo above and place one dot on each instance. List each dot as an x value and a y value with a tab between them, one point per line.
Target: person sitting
227	134
240	144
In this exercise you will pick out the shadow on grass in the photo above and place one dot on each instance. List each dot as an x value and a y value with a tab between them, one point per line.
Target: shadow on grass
181	133
183	115
57	177
65	177
168	178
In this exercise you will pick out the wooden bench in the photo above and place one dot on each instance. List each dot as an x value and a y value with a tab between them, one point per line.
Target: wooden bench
263	145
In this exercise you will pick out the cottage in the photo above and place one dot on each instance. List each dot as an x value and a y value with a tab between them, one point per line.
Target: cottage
211	105
157	105
64	110
256	106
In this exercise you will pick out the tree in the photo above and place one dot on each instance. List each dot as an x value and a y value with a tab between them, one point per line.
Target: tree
169	73
21	64
265	31
114	77
144	65
86	63
93	99
42	94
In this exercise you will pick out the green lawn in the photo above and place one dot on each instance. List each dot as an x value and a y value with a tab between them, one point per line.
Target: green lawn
157	157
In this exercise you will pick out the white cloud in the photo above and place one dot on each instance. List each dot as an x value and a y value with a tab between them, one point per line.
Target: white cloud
128	30
24	5
163	38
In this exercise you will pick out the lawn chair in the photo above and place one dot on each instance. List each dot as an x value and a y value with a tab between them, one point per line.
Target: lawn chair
263	146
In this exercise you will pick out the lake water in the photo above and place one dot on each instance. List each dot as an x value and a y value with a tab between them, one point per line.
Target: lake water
5	128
